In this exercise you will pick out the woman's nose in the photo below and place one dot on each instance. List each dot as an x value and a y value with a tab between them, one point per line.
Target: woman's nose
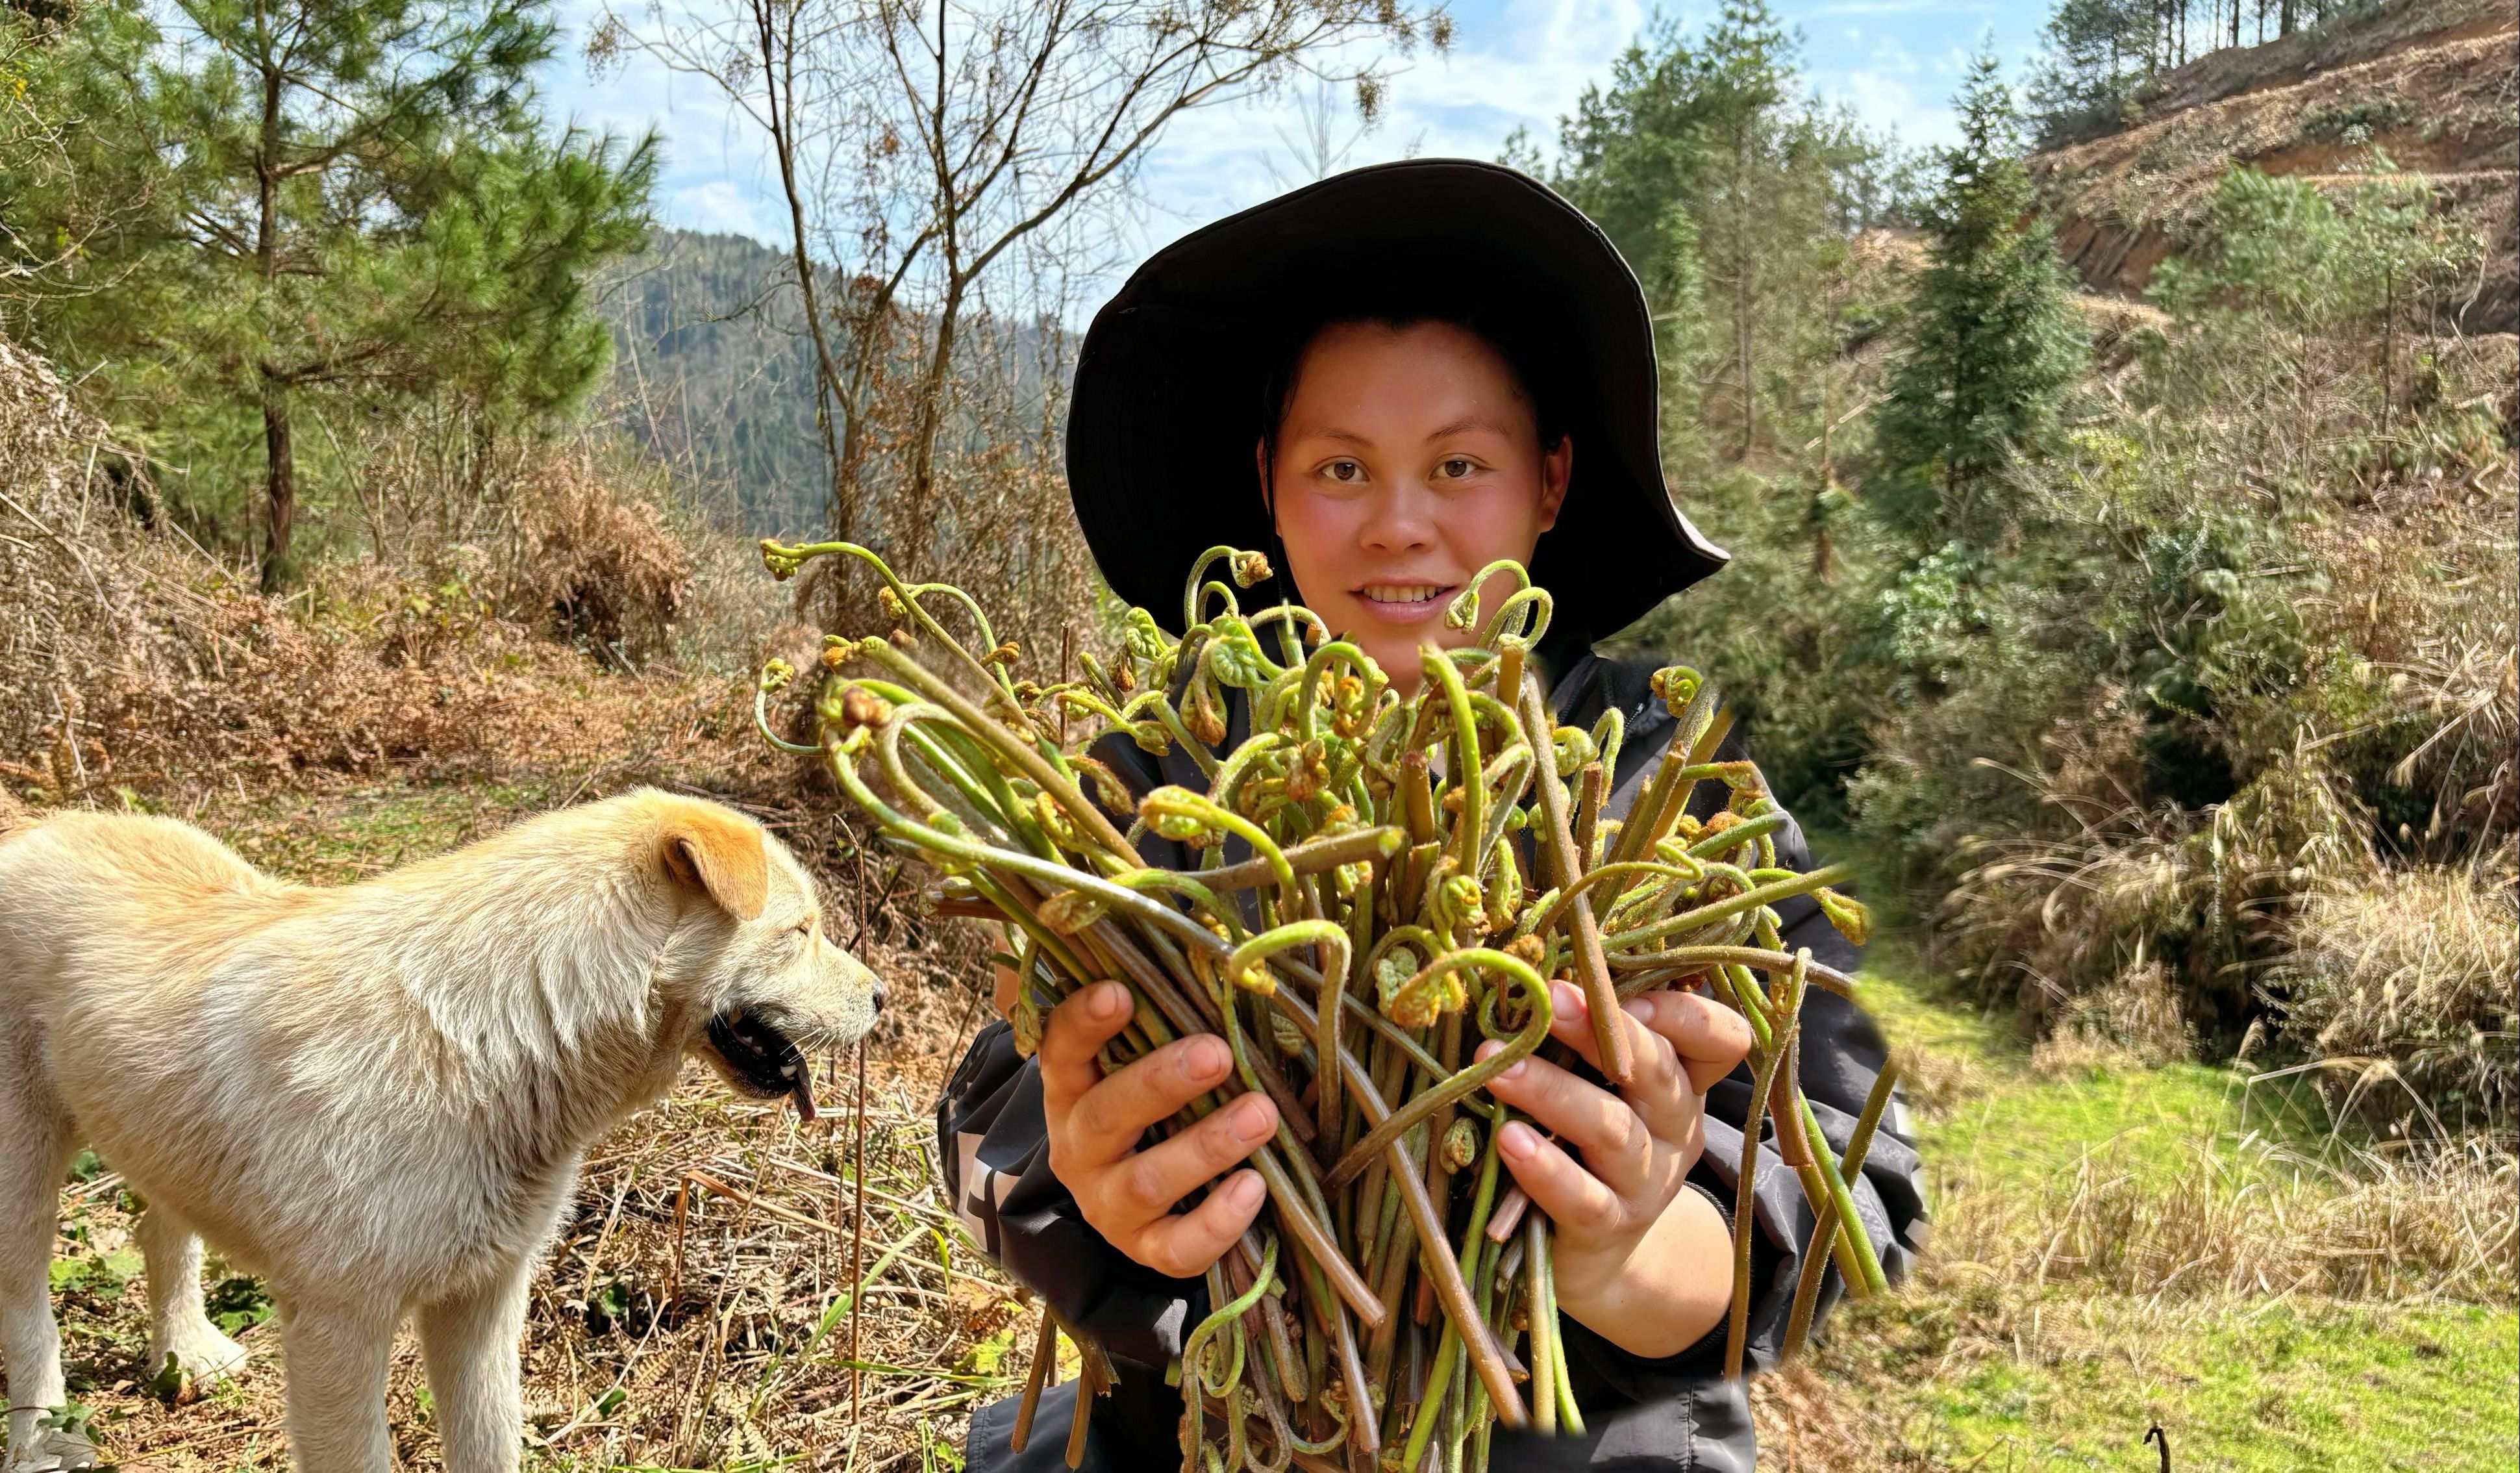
1399	520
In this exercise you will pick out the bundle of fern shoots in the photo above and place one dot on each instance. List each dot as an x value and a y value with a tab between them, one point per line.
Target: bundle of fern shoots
1412	874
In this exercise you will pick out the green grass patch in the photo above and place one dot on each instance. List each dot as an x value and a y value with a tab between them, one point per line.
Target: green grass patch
2025	1132
1971	1367
343	836
2019	1127
2250	1387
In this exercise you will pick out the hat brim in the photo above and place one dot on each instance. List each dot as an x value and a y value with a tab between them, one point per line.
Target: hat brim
1163	419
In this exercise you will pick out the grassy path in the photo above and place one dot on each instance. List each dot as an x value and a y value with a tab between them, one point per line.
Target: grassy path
1986	1361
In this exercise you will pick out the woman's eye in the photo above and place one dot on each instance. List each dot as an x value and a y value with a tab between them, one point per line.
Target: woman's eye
1455	468
1345	471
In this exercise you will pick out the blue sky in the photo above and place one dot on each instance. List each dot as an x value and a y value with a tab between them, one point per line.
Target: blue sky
1513	62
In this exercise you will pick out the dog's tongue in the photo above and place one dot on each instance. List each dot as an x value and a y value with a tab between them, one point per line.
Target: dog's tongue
803	1089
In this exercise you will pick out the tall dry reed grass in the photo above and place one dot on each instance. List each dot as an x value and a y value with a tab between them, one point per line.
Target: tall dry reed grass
2406	982
2263	1220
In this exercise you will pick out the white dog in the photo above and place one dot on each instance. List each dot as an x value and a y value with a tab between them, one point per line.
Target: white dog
375	1096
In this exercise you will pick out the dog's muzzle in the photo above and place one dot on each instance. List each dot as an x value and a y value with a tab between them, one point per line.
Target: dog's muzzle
763	1059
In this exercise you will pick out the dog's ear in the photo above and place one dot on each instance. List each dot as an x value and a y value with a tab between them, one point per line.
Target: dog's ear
719	854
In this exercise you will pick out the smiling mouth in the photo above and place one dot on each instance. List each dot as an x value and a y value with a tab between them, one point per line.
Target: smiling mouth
763	1060
1404	602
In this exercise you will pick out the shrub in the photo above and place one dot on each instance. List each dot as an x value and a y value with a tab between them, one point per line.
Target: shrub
2261	1219
2406	978
601	568
131	659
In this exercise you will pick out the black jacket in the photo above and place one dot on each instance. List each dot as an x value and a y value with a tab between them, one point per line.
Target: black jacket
1663	1415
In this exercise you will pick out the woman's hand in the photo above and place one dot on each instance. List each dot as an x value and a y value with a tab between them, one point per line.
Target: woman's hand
1642	1263
1095	1122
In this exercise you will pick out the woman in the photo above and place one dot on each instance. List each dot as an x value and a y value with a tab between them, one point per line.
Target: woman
1389	380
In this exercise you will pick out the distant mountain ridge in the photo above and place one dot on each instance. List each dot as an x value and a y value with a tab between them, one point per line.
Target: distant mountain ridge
713	375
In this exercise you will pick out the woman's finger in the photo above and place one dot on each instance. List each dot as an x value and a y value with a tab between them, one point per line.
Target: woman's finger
1182	1247
1709	1038
1615	1143
1074	1033
1656	1073
1143	1185
1576	1199
1095	1121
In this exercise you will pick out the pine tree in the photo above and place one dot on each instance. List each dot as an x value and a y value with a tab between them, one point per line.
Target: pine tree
1759	208
355	201
1993	341
1729	192
2097	51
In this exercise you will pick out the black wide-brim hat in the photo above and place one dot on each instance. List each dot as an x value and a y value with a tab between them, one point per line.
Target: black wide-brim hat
1169	390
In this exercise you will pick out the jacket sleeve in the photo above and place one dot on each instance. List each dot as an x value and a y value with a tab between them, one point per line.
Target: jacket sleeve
993	1150
993	1147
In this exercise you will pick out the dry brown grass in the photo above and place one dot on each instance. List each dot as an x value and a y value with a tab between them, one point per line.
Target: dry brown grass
2263	1220
599	566
218	686
2138	1018
130	658
2405	983
2060	919
64	604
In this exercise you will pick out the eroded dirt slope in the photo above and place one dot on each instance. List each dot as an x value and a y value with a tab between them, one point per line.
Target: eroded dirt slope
2431	85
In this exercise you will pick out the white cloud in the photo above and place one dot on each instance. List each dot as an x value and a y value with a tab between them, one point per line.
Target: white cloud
718	205
1895	7
1523	66
715	175
1516	63
1889	89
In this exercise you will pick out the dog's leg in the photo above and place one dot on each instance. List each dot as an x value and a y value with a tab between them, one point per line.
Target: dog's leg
34	1151
178	1326
334	1352
469	1341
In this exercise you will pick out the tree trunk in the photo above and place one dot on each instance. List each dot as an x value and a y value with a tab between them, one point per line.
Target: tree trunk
1827	467
1744	293
931	419
279	461
871	346
480	445
280	486
831	402
2388	347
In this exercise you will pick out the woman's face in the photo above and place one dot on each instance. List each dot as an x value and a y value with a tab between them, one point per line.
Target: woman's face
1407	461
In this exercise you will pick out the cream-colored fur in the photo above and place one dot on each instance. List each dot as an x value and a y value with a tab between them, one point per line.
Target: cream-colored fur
374	1097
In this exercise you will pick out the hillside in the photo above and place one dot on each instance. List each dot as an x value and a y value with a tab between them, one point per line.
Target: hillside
713	375
2427	82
